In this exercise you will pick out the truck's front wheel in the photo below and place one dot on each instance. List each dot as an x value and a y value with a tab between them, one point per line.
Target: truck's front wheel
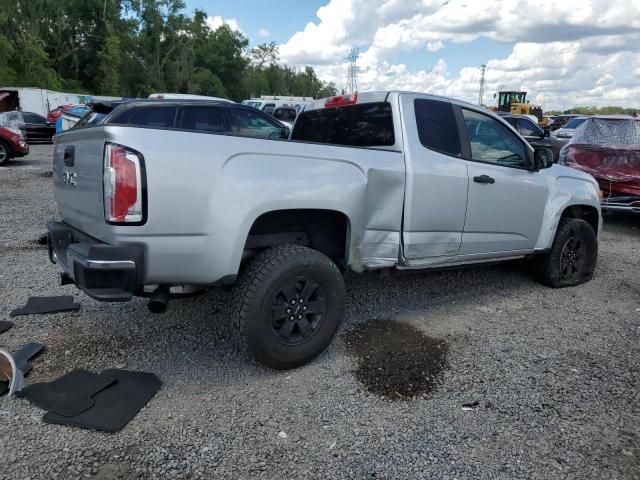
573	255
289	305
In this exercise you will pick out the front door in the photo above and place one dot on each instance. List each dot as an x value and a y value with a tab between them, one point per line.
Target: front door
506	200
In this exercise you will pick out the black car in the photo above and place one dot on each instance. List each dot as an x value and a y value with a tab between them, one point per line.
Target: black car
35	128
536	136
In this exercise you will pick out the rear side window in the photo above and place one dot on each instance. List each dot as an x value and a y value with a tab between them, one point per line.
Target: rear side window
437	127
203	119
157	117
364	125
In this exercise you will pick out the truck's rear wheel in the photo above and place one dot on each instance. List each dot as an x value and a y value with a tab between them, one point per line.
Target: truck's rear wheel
573	255
289	302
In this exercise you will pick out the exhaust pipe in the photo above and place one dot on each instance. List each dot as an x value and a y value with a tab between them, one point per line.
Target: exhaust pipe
159	299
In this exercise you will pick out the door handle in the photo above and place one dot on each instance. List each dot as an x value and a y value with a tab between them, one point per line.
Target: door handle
484	179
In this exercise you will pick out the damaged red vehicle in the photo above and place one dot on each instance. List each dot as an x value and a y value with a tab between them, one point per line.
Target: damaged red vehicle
608	148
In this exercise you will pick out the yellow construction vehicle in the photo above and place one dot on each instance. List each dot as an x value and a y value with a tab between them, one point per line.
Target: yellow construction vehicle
516	103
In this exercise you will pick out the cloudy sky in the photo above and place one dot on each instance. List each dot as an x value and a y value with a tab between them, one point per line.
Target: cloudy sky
563	52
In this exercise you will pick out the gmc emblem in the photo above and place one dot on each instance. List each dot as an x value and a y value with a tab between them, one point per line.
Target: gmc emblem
69	178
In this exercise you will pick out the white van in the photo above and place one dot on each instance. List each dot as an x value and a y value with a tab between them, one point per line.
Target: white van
268	103
186	96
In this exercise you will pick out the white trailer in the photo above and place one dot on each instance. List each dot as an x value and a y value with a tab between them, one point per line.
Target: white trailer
42	101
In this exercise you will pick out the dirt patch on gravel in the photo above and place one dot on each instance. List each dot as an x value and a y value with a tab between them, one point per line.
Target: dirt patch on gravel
395	360
47	174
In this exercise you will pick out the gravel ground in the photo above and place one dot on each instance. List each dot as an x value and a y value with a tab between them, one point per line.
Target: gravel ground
549	379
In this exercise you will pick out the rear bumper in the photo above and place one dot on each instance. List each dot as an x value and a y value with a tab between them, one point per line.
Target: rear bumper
105	272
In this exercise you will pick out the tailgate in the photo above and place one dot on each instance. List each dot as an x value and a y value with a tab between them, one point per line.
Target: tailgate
77	179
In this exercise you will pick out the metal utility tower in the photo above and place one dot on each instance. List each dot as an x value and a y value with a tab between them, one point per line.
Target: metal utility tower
352	70
483	69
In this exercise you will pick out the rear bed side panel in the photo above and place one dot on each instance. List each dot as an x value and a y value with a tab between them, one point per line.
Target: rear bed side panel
205	191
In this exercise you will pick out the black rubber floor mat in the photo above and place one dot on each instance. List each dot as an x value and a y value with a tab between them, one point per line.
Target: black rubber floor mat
68	395
4	326
35	305
117	404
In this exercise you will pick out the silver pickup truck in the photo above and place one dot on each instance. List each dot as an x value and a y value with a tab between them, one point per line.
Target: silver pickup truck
164	197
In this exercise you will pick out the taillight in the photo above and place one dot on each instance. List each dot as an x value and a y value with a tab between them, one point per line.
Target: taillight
123	185
341	100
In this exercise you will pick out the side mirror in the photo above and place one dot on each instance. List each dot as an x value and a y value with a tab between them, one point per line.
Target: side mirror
286	131
547	132
543	157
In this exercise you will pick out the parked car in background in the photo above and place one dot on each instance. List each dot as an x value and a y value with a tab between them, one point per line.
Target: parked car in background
178	196
70	117
561	120
12	143
268	104
608	148
35	128
565	133
98	111
536	136
54	114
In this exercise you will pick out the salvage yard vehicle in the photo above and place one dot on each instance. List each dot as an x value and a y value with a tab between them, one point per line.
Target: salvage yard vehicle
162	198
12	143
533	134
608	148
569	130
35	128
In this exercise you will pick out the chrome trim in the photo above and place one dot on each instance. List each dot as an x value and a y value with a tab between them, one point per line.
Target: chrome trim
103	264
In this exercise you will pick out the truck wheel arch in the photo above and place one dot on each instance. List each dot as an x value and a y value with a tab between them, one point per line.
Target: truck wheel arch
584	212
327	231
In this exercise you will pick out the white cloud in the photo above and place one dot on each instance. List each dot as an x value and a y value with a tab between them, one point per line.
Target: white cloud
435	46
563	53
263	32
217	21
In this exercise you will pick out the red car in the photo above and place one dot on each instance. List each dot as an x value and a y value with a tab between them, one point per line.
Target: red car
54	114
608	148
12	144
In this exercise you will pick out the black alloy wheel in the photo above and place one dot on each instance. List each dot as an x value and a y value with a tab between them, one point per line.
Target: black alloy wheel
298	310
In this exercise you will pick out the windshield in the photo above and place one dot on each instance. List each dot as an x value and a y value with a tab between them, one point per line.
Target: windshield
575	123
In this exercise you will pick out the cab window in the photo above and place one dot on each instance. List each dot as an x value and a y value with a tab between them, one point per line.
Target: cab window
492	142
437	128
249	123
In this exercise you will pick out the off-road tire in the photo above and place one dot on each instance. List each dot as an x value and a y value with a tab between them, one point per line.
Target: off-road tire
548	268
258	288
8	153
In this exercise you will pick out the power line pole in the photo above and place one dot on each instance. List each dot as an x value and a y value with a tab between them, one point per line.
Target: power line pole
352	70
483	69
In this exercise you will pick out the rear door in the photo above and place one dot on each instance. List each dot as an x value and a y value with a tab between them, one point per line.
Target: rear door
506	199
437	181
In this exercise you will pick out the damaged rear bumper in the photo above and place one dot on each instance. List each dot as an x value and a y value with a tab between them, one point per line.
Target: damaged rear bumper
105	272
